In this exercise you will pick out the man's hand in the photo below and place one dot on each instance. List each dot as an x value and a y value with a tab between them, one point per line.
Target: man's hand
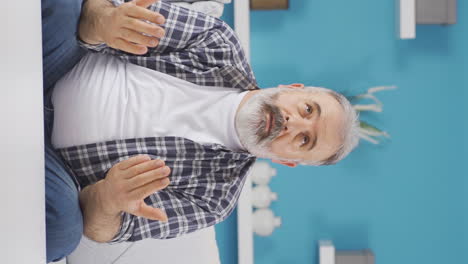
124	189
121	27
129	182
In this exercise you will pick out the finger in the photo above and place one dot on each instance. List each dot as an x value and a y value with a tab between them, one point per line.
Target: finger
149	176
143	13
143	167
126	46
149	188
125	164
145	3
138	38
152	213
143	27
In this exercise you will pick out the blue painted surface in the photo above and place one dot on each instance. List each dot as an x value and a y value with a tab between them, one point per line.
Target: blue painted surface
405	199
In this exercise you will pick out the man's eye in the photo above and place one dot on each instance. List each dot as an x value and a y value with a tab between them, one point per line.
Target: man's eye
305	140
308	109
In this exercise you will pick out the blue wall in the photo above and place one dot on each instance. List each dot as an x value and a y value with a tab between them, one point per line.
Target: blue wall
405	199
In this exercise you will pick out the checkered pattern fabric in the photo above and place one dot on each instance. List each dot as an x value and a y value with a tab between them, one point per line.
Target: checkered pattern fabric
206	181
196	47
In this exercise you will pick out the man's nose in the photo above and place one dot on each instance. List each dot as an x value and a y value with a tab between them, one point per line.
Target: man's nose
295	124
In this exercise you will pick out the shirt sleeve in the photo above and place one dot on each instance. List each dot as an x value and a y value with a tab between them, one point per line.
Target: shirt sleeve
183	27
191	202
196	47
186	214
206	181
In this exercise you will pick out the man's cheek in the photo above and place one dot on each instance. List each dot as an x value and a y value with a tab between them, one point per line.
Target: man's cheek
277	147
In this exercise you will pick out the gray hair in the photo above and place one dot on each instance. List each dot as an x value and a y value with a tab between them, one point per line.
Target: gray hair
349	134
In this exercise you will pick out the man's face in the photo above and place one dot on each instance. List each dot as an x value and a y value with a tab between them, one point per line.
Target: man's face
291	124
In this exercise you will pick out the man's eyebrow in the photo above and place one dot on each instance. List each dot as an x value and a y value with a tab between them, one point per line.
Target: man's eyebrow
317	106
313	144
319	110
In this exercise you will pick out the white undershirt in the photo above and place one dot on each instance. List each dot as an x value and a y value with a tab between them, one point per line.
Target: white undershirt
104	98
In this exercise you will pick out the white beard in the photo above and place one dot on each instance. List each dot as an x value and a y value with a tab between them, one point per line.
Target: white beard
251	122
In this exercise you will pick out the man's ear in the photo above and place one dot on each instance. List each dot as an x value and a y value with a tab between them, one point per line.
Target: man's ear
296	85
292	86
286	163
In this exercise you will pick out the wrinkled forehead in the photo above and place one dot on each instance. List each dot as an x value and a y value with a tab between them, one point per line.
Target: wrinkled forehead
328	97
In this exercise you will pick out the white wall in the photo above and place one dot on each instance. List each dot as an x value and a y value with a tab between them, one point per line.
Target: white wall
22	218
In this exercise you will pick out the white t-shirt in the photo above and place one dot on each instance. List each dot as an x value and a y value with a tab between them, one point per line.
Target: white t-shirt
104	98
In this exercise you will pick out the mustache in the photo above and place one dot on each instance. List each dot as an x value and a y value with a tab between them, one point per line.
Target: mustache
277	123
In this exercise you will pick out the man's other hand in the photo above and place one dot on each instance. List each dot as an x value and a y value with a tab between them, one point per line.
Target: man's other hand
129	182
124	189
124	27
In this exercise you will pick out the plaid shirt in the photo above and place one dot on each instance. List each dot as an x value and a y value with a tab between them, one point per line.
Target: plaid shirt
206	180
196	47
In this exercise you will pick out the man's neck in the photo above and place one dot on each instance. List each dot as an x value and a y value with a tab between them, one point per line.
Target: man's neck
246	98
241	104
